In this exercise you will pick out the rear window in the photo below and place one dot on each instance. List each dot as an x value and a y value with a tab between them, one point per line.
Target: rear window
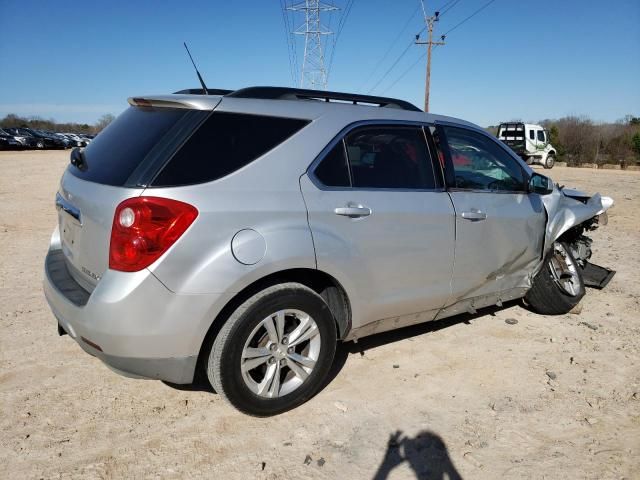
223	144
113	155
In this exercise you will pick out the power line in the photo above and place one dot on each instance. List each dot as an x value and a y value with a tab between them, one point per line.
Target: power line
326	40
393	44
445	5
412	66
391	67
341	24
445	9
294	47
287	34
469	17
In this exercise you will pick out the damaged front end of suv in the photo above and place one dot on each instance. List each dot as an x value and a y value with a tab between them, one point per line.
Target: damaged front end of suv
571	215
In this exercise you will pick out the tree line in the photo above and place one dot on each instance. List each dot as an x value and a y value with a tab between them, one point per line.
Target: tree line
578	139
16	121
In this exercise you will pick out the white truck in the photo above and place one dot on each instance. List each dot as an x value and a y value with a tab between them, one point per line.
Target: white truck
530	142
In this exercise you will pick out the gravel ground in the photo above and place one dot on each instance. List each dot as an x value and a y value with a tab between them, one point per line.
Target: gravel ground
502	394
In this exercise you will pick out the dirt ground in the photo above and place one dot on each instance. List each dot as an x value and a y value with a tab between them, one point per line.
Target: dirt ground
546	397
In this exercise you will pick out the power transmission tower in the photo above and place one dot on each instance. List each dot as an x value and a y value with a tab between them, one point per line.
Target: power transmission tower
429	21
314	73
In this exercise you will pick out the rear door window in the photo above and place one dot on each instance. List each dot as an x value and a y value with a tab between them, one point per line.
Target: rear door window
389	157
333	170
224	143
113	155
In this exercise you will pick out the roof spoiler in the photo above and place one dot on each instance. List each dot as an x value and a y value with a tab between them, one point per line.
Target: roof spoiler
200	91
286	93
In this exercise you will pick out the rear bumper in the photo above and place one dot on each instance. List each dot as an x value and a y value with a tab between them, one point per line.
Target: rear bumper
131	321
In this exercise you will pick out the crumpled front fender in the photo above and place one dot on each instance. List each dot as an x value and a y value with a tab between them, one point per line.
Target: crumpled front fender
565	211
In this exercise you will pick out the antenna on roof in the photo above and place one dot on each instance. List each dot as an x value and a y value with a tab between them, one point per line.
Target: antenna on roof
204	87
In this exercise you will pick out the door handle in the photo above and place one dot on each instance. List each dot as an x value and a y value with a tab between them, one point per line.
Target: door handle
353	211
474	215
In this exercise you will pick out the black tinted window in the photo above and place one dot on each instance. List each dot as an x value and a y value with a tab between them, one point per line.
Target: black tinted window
540	136
114	154
480	163
389	157
333	170
532	135
223	144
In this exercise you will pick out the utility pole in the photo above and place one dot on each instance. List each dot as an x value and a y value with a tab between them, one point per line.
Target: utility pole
314	73
429	21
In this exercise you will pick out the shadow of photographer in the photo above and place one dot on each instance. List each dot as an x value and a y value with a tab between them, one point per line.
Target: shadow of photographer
425	453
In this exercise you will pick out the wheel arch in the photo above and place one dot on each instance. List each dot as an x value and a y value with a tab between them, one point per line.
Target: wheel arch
322	283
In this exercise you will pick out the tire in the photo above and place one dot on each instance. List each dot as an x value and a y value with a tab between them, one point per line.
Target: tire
40	145
245	352
549	162
547	296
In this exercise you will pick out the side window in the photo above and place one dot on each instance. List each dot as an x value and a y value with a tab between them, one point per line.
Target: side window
532	134
224	143
480	163
389	157
333	170
541	135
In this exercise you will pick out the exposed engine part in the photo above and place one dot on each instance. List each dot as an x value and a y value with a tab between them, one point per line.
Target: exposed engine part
579	243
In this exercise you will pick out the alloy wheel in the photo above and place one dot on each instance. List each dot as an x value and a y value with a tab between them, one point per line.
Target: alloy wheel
280	353
564	271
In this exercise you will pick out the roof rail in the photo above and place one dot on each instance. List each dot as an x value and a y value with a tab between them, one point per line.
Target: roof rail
285	93
200	91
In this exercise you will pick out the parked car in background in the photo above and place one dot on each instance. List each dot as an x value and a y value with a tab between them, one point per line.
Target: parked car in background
270	223
69	141
530	142
30	141
78	142
85	138
42	139
9	141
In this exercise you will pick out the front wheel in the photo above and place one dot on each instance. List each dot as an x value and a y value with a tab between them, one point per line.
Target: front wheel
558	286
549	162
275	351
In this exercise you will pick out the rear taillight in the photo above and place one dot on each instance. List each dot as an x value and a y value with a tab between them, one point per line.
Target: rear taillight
144	228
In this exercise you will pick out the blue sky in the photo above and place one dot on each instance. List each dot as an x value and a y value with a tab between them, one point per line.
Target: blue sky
74	61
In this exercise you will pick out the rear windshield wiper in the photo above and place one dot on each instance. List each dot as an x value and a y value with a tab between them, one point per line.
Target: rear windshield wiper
78	159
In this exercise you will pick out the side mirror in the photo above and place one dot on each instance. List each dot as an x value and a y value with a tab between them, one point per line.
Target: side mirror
540	184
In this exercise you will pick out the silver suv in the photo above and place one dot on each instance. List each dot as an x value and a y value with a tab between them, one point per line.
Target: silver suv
244	233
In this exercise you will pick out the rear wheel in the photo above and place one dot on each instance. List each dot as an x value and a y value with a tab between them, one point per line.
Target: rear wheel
550	161
274	351
558	287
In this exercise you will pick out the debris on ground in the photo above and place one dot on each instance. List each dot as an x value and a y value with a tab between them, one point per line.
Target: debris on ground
340	406
589	325
577	310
